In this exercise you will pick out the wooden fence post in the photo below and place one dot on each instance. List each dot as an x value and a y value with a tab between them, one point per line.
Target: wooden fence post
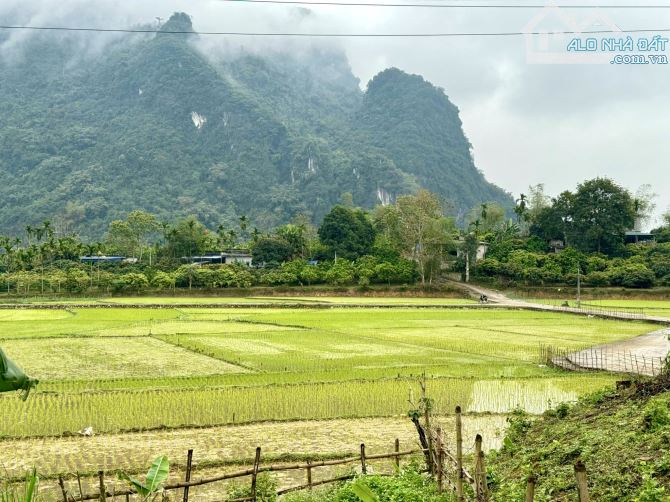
309	474
440	460
530	488
397	457
481	488
459	455
103	490
187	478
254	475
364	467
484	481
81	493
478	450
582	487
62	488
429	431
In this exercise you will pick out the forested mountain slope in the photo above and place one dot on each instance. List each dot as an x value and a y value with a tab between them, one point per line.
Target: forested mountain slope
154	122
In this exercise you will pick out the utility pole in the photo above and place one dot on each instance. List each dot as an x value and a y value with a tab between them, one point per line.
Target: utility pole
579	288
467	264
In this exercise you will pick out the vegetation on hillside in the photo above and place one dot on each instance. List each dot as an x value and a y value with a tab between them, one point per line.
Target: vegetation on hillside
622	437
160	123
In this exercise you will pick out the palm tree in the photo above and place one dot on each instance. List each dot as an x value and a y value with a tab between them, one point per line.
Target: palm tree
521	208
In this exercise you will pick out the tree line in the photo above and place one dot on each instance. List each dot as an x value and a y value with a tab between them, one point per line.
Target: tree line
409	241
588	226
401	243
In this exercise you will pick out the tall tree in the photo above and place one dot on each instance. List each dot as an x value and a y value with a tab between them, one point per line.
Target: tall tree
536	200
489	214
418	225
643	205
132	236
602	213
347	233
188	238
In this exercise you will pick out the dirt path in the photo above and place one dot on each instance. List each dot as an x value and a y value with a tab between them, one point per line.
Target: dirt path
644	355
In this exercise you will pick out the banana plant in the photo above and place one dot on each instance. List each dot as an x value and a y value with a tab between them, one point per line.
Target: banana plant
10	494
363	491
153	483
13	378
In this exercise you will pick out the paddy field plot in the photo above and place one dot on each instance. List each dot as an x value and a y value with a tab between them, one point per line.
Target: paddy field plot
657	308
100	358
214	377
358	300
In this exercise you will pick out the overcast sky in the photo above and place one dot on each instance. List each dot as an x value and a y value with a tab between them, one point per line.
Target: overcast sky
528	122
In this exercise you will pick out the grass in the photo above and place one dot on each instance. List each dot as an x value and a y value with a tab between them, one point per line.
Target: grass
622	438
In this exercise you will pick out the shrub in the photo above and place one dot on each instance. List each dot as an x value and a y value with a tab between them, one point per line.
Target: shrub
76	281
266	489
340	273
164	280
655	415
311	274
597	279
488	266
632	275
407	486
243	277
131	282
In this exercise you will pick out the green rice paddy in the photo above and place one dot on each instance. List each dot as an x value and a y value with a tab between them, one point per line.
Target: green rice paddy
123	370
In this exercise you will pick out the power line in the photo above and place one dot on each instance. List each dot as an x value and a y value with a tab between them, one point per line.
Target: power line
341	35
449	6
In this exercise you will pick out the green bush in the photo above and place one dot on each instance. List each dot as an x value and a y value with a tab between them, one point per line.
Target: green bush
164	280
340	273
655	415
597	279
408	486
76	281
131	282
632	275
266	489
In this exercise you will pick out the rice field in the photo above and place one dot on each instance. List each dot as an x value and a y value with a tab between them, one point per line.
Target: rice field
151	381
657	308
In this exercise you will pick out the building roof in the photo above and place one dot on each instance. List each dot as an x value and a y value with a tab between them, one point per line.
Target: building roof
102	258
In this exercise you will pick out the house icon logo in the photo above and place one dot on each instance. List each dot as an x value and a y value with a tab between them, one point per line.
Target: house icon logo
548	33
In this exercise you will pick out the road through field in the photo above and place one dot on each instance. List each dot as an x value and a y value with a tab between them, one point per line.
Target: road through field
644	354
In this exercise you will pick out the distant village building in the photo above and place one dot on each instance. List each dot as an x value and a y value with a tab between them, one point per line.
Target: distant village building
106	259
224	257
556	245
482	248
637	236
633	237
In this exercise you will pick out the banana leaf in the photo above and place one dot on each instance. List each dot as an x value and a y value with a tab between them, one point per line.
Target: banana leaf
13	378
157	475
363	491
